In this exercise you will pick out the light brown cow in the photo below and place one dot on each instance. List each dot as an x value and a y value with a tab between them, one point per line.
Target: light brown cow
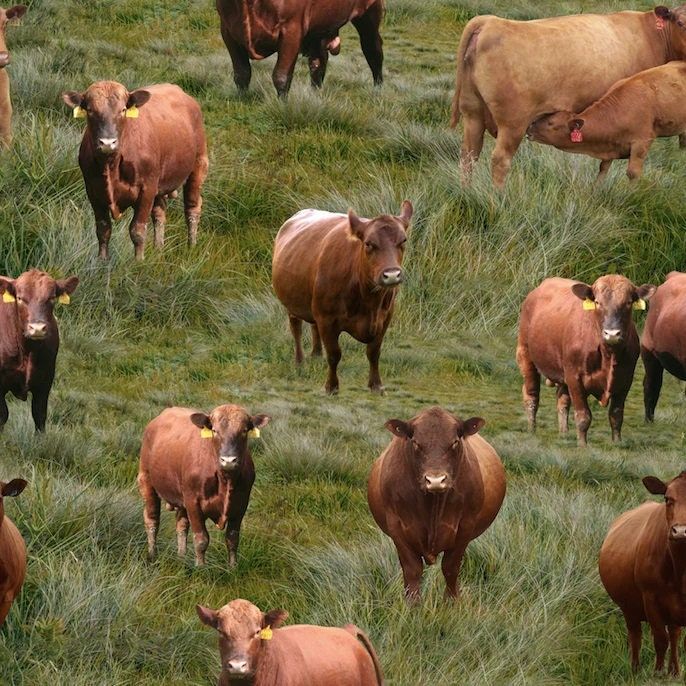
138	148
202	466
643	568
624	122
12	551
340	273
434	489
510	73
7	15
582	339
255	650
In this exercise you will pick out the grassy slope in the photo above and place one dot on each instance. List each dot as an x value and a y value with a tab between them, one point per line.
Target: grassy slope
201	327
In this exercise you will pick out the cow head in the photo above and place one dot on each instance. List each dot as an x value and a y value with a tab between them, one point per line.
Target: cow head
435	444
675	503
382	243
231	426
7	15
673	24
612	297
34	294
243	630
9	490
106	105
553	129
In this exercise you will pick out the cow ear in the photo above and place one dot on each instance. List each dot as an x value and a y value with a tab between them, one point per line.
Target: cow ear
646	291
67	285
207	616
13	488
663	12
575	124
201	420
138	98
7	285
357	225
654	485
472	425
274	618
400	428
72	99
16	12
583	291
406	212
259	420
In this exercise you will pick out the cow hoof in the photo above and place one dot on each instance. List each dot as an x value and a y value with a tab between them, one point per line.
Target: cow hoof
381	390
331	390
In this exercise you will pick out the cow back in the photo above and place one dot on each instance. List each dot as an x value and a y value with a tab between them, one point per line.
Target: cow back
12	560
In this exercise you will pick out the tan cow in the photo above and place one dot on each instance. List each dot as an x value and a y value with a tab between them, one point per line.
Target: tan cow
7	15
12	551
256	651
510	73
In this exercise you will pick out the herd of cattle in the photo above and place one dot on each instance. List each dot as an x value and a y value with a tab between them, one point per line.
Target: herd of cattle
439	484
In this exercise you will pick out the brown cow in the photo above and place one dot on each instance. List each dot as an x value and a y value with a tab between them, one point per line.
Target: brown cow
624	123
253	31
582	339
663	344
12	551
201	465
30	339
132	158
643	568
255	650
435	488
340	274
7	15
510	73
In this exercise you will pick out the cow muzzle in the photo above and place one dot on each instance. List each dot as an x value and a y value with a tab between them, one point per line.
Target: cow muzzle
391	277
4	59
436	483
678	532
612	336
228	463
36	331
107	146
238	668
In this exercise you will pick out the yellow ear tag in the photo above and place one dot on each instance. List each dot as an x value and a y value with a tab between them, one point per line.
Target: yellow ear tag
254	433
132	112
206	433
639	304
7	297
79	113
63	299
266	634
588	304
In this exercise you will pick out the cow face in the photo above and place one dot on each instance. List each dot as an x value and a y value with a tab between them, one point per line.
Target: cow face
107	106
242	628
231	426
435	443
6	16
382	245
552	129
10	490
34	294
612	298
673	24
675	503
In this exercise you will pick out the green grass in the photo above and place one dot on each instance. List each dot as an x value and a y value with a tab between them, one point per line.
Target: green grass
201	327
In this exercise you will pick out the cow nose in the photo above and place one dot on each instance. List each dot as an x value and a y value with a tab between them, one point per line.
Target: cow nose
612	335
36	330
678	532
107	144
391	277
237	666
4	59
228	461
436	482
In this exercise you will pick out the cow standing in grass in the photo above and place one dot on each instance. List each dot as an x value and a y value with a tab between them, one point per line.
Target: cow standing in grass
7	15
138	148
30	339
12	551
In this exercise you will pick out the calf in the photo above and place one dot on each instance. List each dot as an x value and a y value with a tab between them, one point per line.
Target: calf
624	122
583	339
435	488
340	273
132	158
642	565
12	551
201	465
256	650
30	339
7	15
663	344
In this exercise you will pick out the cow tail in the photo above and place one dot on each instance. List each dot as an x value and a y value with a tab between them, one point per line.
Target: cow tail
464	53
364	640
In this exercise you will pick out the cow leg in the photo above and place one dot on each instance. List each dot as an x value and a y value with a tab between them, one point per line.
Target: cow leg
103	230
232	538
367	27
151	512
182	524
333	357
634	628
317	65
201	538
412	567
289	48
139	223
616	416
159	219
652	383
639	152
296	330
39	408
674	633
506	145
531	388
474	128
4	411
563	403
242	71
316	342
373	354
582	412
604	169
450	566
192	200
682	140
657	627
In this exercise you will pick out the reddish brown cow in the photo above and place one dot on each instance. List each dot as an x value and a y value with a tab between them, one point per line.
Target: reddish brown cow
583	348
290	27
256	650
340	274
7	15
201	465
132	158
663	344
624	122
30	339
510	73
12	551
435	488
643	568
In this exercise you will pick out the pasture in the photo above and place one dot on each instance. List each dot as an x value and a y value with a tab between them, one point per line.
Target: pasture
200	327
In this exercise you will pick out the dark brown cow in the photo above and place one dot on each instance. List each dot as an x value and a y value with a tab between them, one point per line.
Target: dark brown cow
30	339
340	273
510	73
201	465
12	551
255	30
583	340
138	148
663	344
643	568
624	123
256	650
7	15
435	488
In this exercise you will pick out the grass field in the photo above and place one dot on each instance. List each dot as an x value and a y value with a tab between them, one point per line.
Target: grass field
201	327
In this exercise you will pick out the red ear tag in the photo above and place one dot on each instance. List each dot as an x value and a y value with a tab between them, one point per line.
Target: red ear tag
659	23
576	136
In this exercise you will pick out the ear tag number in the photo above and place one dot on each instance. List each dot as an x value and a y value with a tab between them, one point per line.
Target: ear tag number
64	299
588	304
79	113
639	304
7	297
132	112
254	433
266	634
206	433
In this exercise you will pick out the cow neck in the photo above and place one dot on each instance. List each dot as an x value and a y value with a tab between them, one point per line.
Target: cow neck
225	482
109	169
676	552
14	348
667	43
609	364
